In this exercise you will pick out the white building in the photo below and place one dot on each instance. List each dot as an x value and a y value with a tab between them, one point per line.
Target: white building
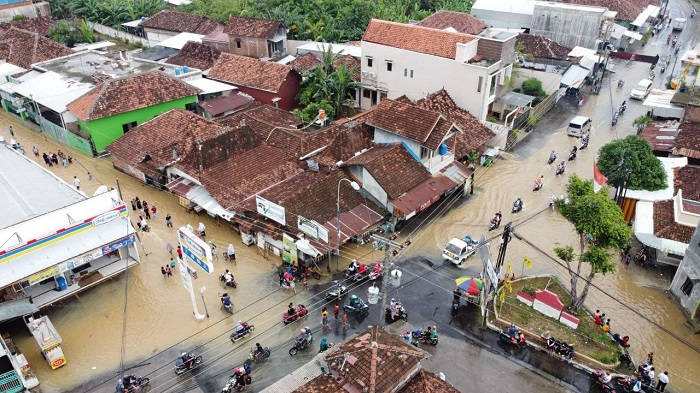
402	59
55	240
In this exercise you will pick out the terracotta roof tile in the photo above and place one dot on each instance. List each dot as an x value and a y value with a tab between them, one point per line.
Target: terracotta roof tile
300	143
262	119
128	93
687	178
225	145
352	64
627	10
195	55
688	141
251	27
181	22
473	135
393	167
150	145
462	22
407	120
350	138
233	102
305	63
321	384
542	47
249	72
40	25
442	128
415	38
665	225
24	48
427	382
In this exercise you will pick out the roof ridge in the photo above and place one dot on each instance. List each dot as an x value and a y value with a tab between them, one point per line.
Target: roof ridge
416	26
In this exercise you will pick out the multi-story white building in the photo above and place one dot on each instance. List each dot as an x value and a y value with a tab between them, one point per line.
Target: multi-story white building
403	59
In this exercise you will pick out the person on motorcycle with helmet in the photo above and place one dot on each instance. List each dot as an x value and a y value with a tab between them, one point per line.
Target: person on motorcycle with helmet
258	351
187	360
356	302
240	328
433	332
393	307
303	337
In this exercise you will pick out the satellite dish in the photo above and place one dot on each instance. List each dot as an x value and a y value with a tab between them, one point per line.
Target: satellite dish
100	190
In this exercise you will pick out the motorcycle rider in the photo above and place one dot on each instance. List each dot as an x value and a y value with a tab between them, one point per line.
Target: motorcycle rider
512	330
240	328
518	203
303	339
356	302
352	269
187	360
561	167
258	351
585	139
362	269
426	333
226	301
553	156
456	295
393	306
290	310
228	278
605	378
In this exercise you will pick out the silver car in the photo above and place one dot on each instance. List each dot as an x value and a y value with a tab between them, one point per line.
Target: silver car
641	91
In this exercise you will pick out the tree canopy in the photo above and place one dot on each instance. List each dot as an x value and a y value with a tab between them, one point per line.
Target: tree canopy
600	225
631	160
107	12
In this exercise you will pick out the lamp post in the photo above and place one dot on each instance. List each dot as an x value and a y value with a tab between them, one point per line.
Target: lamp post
356	187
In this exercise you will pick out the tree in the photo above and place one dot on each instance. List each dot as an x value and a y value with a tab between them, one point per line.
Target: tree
642	121
19	17
631	163
533	87
67	33
600	225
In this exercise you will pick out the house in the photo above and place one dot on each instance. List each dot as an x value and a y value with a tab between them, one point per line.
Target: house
542	59
117	105
266	82
195	55
58	241
24	48
626	10
257	38
460	22
403	59
224	105
40	25
373	361
685	286
166	24
688	142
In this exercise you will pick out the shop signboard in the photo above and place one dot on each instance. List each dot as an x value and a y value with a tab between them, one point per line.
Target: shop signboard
195	249
119	244
270	210
289	249
312	229
83	259
43	275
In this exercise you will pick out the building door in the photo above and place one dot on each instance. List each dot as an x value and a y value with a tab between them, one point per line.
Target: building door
374	98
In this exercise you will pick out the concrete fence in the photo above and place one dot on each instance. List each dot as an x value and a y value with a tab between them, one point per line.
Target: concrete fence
122	35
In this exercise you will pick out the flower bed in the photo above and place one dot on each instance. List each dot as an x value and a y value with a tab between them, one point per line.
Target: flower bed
588	338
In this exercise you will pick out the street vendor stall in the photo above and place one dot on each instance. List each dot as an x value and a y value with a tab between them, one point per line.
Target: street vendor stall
48	339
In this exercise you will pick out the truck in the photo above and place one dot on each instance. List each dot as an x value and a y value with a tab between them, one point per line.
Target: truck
458	250
678	24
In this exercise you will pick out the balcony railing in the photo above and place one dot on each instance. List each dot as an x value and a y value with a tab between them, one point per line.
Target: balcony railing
10	383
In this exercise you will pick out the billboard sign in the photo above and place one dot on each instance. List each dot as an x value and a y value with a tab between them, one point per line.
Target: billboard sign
289	249
270	210
312	229
195	249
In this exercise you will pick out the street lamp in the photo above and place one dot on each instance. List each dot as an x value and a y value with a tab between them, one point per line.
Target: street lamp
355	187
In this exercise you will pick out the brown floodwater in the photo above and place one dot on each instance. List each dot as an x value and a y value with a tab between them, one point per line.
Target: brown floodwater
158	311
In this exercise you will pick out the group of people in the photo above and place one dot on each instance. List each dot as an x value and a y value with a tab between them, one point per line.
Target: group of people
52	159
601	321
516	335
137	204
647	375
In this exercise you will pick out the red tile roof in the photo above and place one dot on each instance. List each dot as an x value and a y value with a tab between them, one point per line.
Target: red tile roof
195	55
321	384
40	25
129	93
181	22
403	119
393	167
542	47
665	225
24	48
350	138
249	72
688	141
415	38
219	105
421	196
627	10
474	134
227	144
462	22
352	64
150	145
305	63
427	382
251	27
300	143
262	119
687	178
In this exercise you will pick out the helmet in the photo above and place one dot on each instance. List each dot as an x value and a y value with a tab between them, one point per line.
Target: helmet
393	300
553	151
302	331
237	370
353	297
184	354
240	322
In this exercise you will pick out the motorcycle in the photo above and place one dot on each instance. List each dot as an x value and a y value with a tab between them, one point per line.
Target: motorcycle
616	116
495	223
652	75
359	308
376	271
552	158
663	69
240	378
505	338
560	168
237	335
337	292
181	366
231	283
400	314
620	83
301	344
538	185
301	312
584	142
572	155
598	378
256	357
621	109
229	306
517	206
560	348
306	273
627	385
418	335
129	382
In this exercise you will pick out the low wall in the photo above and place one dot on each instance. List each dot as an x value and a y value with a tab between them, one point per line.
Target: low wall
122	35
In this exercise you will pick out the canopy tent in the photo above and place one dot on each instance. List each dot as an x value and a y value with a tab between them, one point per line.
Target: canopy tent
516	99
574	76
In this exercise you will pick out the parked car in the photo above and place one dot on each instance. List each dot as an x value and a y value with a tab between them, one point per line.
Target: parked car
641	91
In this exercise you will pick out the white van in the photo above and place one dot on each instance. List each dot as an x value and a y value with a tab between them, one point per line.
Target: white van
579	126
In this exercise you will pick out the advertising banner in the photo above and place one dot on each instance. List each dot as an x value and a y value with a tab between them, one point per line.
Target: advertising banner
270	210
289	249
312	229
195	249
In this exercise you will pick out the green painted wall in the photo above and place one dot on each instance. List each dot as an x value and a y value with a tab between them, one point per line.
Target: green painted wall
107	130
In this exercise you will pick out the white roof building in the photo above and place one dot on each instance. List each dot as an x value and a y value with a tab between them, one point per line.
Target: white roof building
178	41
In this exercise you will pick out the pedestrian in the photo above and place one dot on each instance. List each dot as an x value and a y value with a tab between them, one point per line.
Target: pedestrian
162	270
154	211
213	251
663	381
35	151
90	177
138	203
133	205
596	315
598	318
652	376
169	270
76	182
12	132
169	248
281	274
145	204
650	358
324	319
231	253
628	259
46	159
179	252
172	263
65	162
146	212
202	230
168	220
606	327
345	320
336	311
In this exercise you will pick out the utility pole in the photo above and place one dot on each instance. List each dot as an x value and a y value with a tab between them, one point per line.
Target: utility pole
505	239
387	244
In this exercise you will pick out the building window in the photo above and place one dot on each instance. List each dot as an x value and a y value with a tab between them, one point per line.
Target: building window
366	93
238	44
687	287
492	84
275	102
424	152
389	66
370	62
192	107
411	73
405	72
128	126
481	82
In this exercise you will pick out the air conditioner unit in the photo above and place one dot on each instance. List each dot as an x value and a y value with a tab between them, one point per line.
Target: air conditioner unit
365	73
372	75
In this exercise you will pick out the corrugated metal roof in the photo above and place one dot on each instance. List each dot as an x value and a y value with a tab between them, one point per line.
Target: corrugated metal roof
52	90
178	41
209	86
352	223
422	196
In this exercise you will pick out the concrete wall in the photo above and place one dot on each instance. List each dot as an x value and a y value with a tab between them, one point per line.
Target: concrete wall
505	20
287	93
416	75
370	184
568	26
106	30
690	266
381	136
156	36
8	11
550	81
